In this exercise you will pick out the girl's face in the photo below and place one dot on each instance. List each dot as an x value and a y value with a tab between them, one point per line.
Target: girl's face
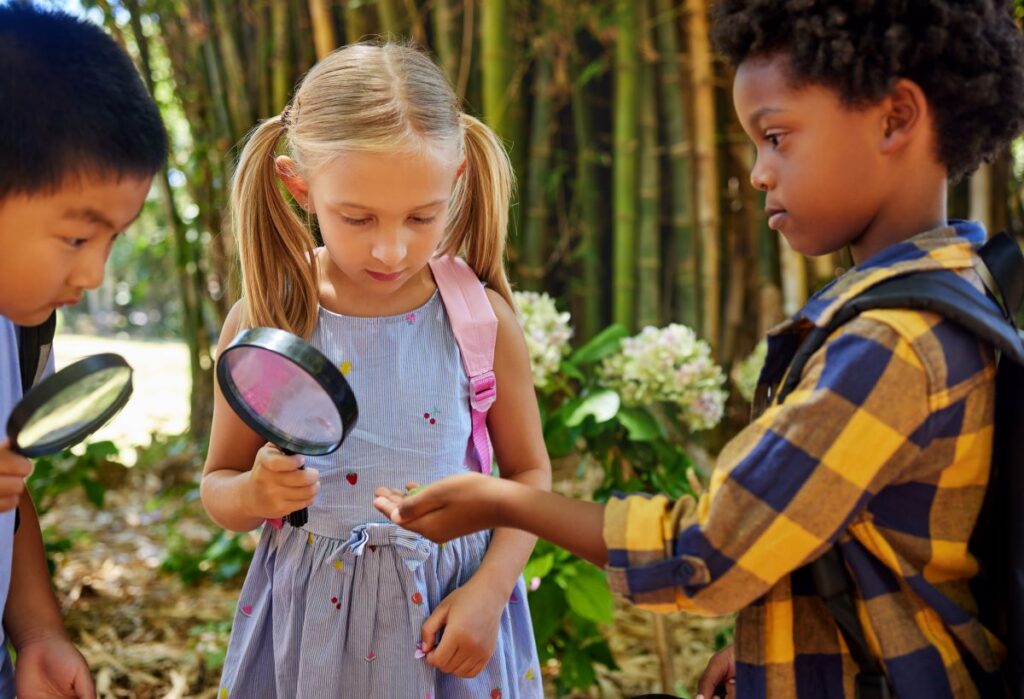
381	216
818	161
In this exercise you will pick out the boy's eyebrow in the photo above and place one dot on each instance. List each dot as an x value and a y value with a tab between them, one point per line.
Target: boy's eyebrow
354	205
759	114
91	215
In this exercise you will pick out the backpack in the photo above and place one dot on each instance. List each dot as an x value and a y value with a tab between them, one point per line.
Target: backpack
476	331
998	538
35	344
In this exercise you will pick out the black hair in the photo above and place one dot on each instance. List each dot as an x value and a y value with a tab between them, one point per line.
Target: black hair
966	55
72	102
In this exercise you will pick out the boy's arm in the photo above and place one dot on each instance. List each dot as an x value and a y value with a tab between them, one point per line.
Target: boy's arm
32	612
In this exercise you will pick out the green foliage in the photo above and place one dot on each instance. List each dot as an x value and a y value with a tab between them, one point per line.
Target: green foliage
567	607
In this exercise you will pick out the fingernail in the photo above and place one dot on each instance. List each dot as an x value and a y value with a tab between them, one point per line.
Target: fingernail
700	696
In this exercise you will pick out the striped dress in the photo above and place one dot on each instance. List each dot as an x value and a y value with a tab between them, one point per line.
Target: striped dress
334	609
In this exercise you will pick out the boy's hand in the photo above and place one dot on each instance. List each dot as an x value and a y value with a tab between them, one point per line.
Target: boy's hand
277	486
447	509
721	671
52	668
469	617
14	469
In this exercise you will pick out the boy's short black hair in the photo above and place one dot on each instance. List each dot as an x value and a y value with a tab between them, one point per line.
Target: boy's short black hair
72	102
967	56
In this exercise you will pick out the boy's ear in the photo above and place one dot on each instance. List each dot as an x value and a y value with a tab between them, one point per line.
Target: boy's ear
904	115
292	180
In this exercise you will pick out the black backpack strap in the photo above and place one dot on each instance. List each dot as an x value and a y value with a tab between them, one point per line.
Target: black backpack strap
34	346
954	298
34	343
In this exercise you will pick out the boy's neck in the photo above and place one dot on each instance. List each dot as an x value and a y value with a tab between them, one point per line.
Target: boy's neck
918	206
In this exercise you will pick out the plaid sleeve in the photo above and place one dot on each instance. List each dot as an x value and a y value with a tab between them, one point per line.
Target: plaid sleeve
786	486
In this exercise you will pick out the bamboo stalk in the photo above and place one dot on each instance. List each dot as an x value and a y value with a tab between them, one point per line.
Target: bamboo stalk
624	162
416	29
495	49
531	260
706	167
239	108
980	196
587	287
794	278
387	15
444	38
466	57
648	264
280	82
673	117
324	39
357	26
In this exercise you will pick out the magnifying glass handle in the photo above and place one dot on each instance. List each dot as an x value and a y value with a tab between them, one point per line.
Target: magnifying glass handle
299	517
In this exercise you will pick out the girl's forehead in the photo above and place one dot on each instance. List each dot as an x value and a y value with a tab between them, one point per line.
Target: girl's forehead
386	180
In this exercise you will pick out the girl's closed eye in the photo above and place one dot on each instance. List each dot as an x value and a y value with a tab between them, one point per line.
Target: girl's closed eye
422	220
355	221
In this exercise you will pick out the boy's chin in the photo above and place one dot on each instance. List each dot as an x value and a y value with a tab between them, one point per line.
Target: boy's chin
27	318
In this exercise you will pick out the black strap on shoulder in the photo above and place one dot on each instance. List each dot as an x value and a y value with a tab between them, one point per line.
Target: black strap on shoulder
33	349
954	298
34	342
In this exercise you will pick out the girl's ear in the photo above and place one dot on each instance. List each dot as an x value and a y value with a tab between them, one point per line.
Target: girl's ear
289	175
905	116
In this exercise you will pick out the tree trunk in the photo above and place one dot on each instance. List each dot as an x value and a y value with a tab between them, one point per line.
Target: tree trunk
446	41
648	267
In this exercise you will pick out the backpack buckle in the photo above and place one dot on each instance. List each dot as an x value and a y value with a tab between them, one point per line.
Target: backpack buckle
483	390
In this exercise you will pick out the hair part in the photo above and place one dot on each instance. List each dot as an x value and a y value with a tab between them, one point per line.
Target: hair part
74	104
362	98
966	55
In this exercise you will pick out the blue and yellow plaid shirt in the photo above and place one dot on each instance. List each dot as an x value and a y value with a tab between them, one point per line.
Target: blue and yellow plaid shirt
885	446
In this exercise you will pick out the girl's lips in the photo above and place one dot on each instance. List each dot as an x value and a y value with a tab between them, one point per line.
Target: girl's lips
381	277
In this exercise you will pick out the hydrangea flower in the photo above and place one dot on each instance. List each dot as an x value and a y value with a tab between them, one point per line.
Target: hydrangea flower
547	333
670	365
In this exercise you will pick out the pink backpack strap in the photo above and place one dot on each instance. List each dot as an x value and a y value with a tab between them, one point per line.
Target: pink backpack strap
476	331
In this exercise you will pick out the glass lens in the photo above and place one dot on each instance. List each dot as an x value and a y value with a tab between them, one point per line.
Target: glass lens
283	397
81	404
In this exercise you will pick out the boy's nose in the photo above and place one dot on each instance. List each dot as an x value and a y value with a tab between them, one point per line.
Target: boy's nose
760	178
88	274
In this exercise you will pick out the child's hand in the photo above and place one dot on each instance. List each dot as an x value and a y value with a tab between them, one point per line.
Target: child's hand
469	617
721	671
277	486
14	469
447	509
52	668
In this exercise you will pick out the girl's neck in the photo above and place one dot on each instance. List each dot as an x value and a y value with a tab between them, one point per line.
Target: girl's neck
339	295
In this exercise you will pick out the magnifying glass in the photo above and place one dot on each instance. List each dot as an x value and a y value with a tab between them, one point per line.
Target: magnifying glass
287	392
66	407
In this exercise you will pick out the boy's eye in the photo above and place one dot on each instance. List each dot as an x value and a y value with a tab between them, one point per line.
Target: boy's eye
76	242
773	138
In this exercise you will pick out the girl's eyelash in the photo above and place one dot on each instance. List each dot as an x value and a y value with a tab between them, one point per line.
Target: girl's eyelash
354	221
423	220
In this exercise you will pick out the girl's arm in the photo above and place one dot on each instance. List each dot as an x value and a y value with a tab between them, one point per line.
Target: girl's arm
518	439
244	480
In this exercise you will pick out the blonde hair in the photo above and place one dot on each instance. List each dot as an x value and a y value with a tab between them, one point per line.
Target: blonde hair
369	98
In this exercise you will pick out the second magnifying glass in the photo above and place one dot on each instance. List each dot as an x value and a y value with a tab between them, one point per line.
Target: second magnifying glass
289	393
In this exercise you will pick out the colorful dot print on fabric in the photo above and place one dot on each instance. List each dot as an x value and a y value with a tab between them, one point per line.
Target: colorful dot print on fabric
410	319
433	416
529	675
345	368
417	598
352	477
246	609
339	565
420	653
309	539
336	602
223	693
370	657
496	693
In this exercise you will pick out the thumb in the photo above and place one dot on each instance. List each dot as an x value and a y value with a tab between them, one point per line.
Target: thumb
83	687
714	674
433	625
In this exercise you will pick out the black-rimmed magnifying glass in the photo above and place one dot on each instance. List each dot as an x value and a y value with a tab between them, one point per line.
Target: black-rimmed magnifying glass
289	393
66	407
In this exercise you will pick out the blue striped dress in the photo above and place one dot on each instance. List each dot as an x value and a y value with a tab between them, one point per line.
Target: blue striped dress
334	609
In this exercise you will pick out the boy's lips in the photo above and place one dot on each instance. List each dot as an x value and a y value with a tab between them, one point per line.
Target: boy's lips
66	302
776	215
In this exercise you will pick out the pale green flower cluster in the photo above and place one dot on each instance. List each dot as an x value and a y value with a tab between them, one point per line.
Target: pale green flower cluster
746	372
547	333
670	365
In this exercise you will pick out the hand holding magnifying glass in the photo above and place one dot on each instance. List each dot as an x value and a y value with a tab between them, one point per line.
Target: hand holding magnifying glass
287	392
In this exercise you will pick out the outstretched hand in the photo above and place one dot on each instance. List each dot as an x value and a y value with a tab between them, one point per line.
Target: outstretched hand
447	509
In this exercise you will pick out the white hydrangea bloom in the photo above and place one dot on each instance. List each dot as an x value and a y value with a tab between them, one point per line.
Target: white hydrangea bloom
746	372
547	333
670	365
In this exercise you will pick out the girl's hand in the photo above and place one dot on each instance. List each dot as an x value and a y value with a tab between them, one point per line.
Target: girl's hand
52	668
277	486
469	617
447	509
721	671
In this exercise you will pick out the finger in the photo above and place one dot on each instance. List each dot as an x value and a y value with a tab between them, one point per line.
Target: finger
275	460
385	492
305	478
465	668
11	485
714	673
8	503
16	466
432	626
84	687
387	508
444	655
411	485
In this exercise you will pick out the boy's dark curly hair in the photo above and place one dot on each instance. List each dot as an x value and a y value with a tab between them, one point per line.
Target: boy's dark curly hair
967	56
